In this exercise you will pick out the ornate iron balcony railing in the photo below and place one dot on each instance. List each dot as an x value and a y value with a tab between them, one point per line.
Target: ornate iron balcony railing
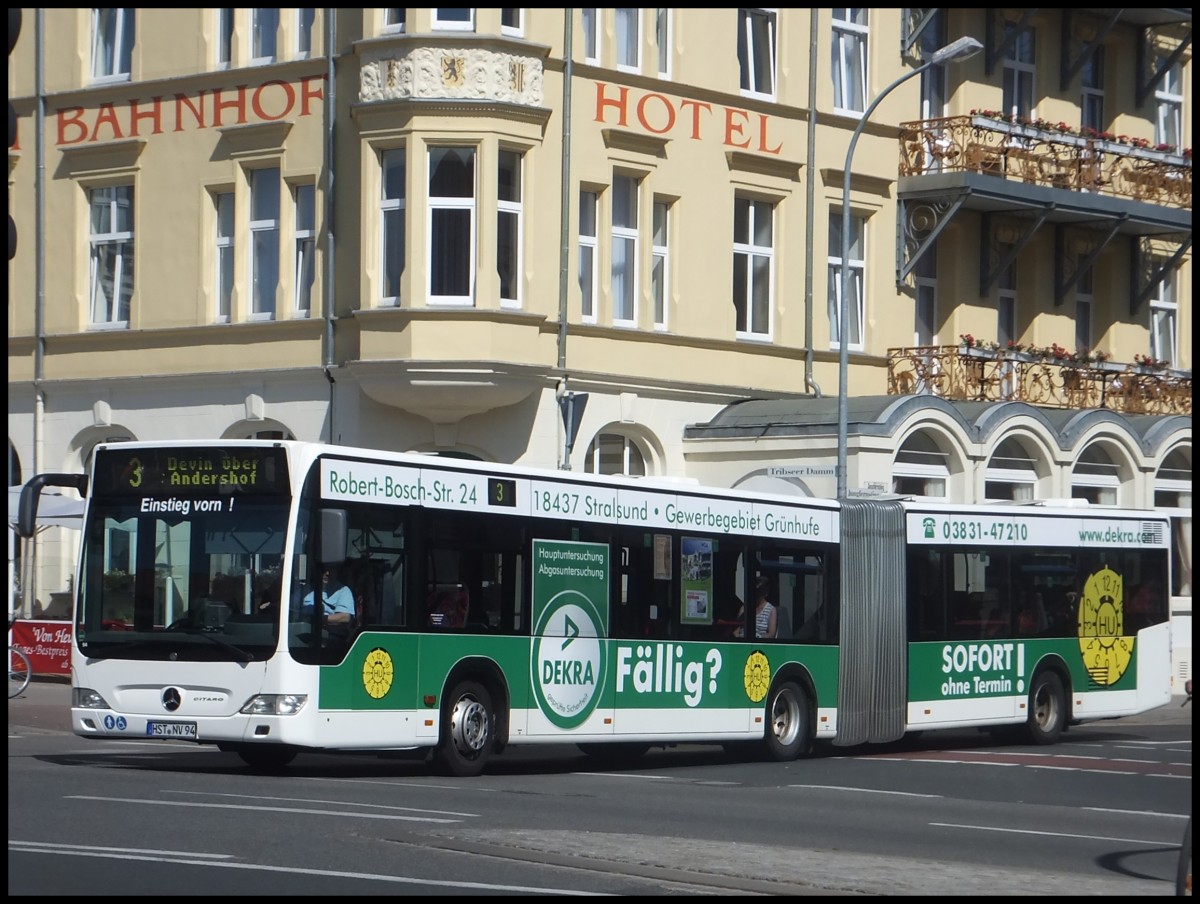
974	374
982	144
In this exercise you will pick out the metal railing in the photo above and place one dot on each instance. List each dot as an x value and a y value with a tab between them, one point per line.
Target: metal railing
973	374
1023	153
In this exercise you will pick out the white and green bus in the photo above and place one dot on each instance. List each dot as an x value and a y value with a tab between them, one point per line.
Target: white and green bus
496	605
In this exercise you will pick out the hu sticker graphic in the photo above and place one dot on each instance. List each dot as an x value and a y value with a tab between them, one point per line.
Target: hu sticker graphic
378	673
1105	650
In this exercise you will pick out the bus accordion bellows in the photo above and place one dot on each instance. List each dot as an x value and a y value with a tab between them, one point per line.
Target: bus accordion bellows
275	597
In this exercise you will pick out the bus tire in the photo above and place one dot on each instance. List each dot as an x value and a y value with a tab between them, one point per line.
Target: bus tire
267	757
468	726
1047	708
787	734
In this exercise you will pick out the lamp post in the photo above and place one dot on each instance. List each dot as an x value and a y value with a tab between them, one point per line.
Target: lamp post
954	52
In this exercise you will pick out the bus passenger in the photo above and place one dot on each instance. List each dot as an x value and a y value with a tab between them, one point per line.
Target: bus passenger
765	618
337	598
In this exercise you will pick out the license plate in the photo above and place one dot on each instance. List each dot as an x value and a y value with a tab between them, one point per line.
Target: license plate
171	730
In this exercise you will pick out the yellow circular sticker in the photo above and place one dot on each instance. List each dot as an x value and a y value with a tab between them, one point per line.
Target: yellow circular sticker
757	676
378	672
1105	650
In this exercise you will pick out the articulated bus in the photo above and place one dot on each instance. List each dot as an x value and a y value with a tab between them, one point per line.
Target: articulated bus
486	605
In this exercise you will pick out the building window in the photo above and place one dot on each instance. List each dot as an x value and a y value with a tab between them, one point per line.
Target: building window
264	29
224	38
264	242
225	222
391	224
457	19
629	38
1011	474
624	250
112	43
510	22
1168	124
660	262
849	63
662	40
1164	313
451	225
1019	70
753	266
857	268
508	229
756	50
591	37
306	247
920	468
587	255
925	278
111	263
1092	102
1173	497
933	79
393	20
1083	311
304	26
1006	325
1095	477
612	453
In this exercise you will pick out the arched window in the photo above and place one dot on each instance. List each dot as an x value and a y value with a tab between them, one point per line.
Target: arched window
612	453
1173	497
1011	474
920	468
1095	477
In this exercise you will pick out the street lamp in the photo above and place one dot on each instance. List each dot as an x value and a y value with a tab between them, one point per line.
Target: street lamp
954	52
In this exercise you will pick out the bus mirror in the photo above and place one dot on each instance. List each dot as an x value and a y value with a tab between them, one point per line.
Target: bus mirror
31	493
334	536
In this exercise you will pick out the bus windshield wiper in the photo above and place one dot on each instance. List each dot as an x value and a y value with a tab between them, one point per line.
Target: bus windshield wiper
242	655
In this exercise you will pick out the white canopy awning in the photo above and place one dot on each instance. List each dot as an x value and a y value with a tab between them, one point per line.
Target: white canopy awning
54	510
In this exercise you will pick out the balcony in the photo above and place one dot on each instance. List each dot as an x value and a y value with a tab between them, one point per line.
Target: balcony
973	374
1045	157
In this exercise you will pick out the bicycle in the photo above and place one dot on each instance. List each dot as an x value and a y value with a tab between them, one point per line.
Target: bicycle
19	669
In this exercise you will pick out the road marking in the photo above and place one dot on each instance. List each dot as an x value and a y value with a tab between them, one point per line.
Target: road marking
307	800
951	825
179	803
863	790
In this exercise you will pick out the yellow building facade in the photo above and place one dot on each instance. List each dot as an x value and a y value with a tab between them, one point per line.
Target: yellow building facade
459	231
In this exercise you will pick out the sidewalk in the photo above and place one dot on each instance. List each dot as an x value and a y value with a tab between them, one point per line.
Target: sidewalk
46	704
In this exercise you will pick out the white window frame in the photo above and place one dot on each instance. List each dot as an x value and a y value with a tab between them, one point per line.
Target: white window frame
1094	483
512	208
114	241
624	270
1168	98
851	37
858	279
438	205
112	44
631	452
306	17
306	247
442	23
663	31
660	260
1019	76
1091	103
226	274
1164	319
264	35
517	30
392	208
589	21
628	47
757	27
1018	473
264	244
929	468
749	250
588	244
225	17
394	20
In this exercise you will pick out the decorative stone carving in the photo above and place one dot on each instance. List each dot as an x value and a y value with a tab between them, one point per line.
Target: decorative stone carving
444	73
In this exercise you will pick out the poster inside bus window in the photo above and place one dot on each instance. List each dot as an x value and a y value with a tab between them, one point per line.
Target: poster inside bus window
183	471
696	570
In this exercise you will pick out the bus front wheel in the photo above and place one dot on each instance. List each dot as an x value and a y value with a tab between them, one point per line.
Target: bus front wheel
787	733
1047	708
268	757
467	731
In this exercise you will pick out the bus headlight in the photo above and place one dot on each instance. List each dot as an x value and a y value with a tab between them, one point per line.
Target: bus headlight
86	698
275	705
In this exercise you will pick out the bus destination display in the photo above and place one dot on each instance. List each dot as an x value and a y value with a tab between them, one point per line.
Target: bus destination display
190	471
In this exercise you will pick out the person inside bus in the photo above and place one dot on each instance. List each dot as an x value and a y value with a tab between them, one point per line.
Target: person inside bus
337	599
765	617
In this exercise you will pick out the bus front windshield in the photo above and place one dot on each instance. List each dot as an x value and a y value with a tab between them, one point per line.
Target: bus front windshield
194	582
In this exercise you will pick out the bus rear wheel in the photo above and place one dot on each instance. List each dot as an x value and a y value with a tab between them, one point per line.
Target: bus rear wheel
1047	708
467	731
787	734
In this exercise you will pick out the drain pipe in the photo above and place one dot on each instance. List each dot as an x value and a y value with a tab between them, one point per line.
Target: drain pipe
330	109
809	382
564	252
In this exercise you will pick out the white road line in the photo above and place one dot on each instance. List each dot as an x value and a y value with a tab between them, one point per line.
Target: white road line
179	803
307	800
863	790
951	825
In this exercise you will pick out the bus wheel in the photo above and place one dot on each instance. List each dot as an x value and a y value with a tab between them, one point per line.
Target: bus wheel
787	723
467	725
264	756
1047	708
